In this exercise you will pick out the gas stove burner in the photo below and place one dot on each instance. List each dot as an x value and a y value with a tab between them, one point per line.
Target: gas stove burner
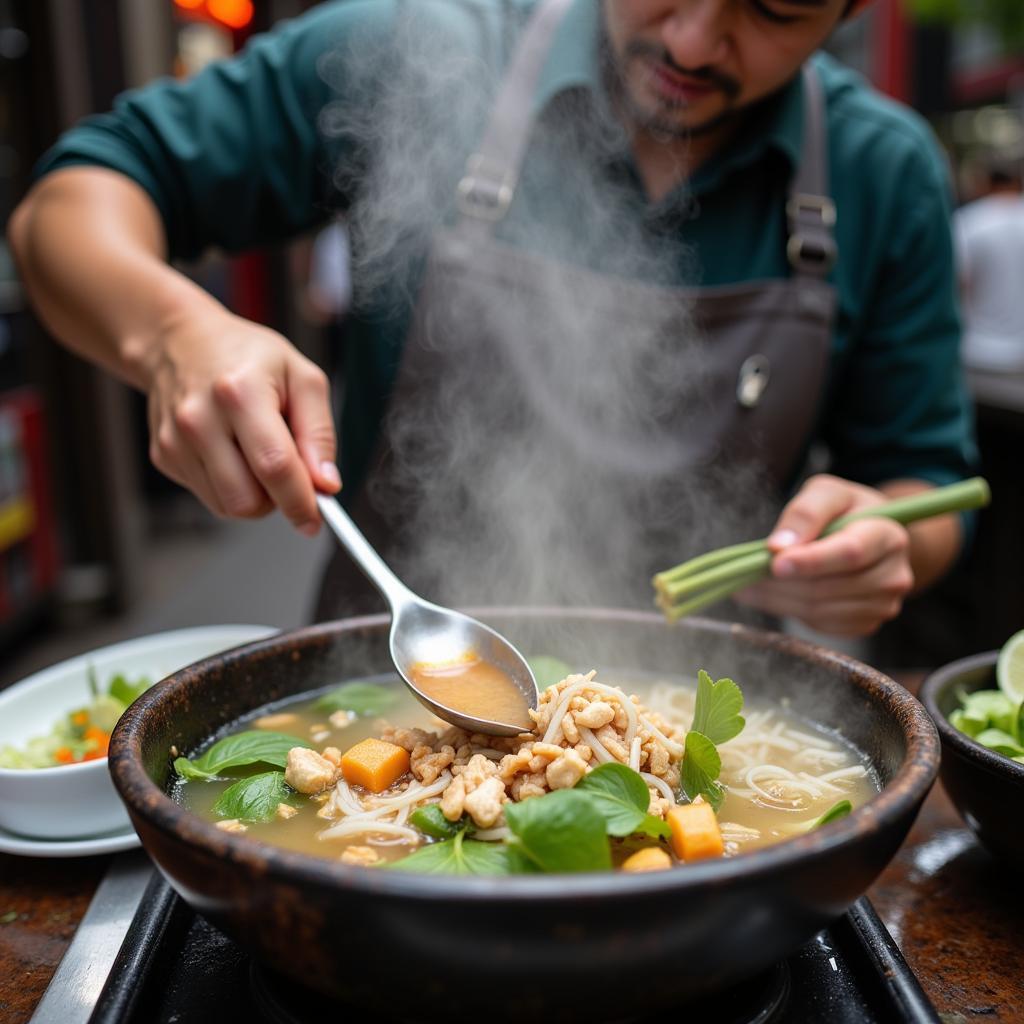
280	1000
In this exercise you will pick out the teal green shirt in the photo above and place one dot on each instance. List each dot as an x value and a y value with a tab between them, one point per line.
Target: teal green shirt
270	144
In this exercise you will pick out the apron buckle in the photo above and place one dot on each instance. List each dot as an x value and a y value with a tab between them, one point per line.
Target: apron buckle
486	190
753	379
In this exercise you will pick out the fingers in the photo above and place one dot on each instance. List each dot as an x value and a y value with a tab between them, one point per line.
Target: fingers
312	423
253	409
858	617
851	589
855	548
821	500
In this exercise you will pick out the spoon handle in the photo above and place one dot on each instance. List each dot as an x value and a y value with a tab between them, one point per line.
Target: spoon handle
392	589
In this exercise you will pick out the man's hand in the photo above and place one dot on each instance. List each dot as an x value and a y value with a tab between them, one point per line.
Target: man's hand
847	584
239	417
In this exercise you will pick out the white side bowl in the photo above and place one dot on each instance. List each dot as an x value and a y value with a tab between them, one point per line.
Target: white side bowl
77	800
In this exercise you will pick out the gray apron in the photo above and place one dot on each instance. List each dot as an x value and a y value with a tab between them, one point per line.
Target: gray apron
515	469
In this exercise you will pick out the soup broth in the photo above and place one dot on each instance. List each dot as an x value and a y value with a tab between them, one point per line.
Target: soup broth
780	774
474	687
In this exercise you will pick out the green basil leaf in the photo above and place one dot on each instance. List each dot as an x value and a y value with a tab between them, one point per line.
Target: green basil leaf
834	813
547	670
560	832
430	820
126	692
622	798
717	712
701	768
255	746
457	856
363	699
254	798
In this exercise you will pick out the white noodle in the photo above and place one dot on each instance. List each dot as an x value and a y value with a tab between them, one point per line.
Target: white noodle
855	771
489	835
613	692
413	794
659	784
634	754
807	740
820	783
555	723
675	749
738	833
600	751
355	827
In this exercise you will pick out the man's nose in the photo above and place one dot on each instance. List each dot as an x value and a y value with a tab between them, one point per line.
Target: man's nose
697	33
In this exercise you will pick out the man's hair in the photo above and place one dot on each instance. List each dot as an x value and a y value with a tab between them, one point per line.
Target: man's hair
1002	170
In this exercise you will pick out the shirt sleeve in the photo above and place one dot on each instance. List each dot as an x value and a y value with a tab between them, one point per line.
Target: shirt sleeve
902	409
231	157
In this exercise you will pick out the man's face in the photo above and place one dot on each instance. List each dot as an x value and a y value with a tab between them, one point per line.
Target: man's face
686	65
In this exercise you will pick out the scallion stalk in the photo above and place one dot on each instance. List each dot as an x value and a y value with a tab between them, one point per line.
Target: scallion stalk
715	575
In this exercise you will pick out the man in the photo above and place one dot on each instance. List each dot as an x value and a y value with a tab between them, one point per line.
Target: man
989	233
715	329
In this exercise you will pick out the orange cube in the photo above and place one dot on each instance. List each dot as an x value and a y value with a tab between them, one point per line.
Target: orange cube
374	764
650	858
695	832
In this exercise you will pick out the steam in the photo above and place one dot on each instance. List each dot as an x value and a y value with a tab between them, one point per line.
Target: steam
546	464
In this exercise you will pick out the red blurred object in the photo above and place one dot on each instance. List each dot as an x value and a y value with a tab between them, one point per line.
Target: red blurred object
233	14
28	542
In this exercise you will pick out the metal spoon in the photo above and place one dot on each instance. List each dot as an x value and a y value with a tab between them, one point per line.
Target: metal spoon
422	632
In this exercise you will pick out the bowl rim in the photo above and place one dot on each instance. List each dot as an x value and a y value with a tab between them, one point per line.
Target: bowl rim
48	673
935	684
148	802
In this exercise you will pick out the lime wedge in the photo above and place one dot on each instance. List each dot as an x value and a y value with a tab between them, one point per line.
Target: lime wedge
1010	668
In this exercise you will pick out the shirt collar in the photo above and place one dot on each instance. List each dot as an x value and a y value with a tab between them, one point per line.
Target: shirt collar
776	123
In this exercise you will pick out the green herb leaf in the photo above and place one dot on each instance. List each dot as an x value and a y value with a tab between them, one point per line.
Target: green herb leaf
717	712
968	724
430	820
126	692
998	711
93	682
701	768
834	813
547	670
458	856
622	798
363	699
254	798
560	832
255	746
1001	742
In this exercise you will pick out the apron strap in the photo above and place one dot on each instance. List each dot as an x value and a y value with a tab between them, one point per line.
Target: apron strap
488	186
810	212
492	172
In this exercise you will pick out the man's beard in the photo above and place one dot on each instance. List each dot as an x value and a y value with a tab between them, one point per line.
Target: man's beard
655	120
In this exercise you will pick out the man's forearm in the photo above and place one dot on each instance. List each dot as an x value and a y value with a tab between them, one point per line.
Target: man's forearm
934	543
90	248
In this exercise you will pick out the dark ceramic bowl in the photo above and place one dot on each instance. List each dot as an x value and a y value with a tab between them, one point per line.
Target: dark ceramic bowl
986	788
580	947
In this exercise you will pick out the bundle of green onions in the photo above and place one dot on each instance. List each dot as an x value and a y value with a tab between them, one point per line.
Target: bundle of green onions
712	577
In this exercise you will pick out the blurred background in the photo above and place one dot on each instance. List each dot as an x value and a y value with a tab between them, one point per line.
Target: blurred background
96	546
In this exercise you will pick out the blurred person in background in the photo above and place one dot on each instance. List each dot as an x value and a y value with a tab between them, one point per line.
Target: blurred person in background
796	217
989	233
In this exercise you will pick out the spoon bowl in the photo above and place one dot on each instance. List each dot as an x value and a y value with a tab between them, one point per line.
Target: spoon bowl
441	653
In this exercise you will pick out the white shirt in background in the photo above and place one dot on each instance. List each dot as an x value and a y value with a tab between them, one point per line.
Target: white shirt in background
989	236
